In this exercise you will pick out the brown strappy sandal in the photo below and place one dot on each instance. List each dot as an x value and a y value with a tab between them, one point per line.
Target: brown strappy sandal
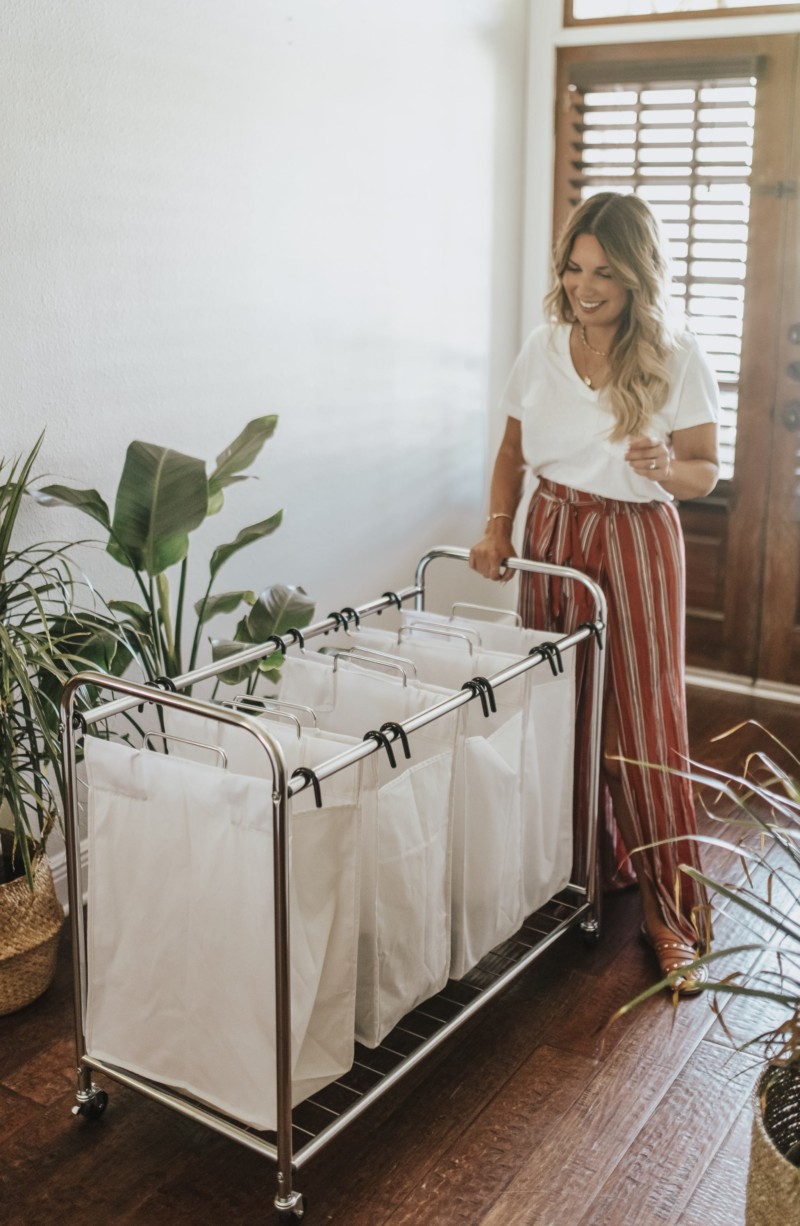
674	954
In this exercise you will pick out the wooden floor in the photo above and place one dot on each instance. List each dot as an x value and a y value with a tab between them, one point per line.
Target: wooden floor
534	1114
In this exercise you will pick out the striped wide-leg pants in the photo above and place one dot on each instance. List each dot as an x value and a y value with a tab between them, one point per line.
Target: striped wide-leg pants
634	551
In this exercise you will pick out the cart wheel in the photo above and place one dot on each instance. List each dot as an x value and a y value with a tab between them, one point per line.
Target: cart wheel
590	937
94	1108
294	1215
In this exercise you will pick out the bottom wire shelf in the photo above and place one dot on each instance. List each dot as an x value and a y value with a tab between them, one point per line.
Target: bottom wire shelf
317	1120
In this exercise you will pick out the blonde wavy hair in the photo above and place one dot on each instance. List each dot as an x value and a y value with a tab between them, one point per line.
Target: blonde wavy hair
630	237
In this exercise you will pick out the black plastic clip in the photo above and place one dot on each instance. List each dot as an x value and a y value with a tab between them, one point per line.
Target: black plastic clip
383	741
305	772
347	612
79	724
597	633
394	598
278	641
551	653
481	688
488	690
297	637
164	683
161	683
340	619
400	734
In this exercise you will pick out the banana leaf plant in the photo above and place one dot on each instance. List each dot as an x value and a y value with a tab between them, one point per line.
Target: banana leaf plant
162	497
46	635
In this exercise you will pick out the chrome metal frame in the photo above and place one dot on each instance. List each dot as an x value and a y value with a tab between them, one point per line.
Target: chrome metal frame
428	1025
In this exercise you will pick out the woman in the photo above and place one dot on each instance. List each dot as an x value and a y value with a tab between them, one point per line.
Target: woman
615	413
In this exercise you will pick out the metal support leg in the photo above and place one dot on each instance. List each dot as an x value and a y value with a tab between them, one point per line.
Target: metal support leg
86	1091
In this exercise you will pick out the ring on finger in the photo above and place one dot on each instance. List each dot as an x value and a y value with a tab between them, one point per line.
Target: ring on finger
653	465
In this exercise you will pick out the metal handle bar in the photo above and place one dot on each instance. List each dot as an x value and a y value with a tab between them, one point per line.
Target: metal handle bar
441	631
523	564
379	655
286	716
185	740
484	608
364	657
274	705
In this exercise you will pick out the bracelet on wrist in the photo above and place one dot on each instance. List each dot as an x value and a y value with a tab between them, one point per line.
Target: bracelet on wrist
499	515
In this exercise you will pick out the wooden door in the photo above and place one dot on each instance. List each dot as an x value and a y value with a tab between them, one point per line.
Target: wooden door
743	542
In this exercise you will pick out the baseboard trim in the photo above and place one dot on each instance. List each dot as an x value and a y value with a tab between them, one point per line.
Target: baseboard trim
58	867
732	683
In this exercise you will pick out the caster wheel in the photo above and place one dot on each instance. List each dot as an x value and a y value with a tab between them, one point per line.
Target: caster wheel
94	1108
295	1215
591	938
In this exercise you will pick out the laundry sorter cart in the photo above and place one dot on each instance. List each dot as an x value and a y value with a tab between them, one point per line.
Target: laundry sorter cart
272	814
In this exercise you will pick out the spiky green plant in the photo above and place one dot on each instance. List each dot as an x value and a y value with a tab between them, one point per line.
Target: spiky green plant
762	808
46	635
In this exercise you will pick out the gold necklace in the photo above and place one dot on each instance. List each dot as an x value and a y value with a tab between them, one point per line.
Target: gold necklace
587	378
600	352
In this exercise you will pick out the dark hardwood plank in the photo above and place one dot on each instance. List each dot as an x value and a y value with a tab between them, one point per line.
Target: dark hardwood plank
466	1179
656	1177
719	1198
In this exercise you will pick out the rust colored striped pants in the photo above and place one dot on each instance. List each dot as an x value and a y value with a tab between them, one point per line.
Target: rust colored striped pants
634	551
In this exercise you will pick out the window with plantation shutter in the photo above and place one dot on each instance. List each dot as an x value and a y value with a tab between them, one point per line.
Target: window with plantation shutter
684	142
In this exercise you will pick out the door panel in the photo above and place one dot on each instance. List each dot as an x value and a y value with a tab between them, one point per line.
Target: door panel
779	646
762	581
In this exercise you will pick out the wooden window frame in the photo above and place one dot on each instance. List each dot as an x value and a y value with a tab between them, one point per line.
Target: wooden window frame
642	18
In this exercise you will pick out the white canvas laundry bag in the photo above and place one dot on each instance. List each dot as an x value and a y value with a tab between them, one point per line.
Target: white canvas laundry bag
491	789
547	841
404	939
181	984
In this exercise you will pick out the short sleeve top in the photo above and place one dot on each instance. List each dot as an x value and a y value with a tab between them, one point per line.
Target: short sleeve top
566	425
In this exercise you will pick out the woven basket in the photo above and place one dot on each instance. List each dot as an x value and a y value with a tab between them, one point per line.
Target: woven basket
773	1185
30	923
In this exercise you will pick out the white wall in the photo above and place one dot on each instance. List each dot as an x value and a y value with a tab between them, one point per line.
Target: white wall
210	211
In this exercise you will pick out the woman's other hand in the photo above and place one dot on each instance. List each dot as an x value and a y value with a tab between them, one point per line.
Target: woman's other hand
649	457
687	468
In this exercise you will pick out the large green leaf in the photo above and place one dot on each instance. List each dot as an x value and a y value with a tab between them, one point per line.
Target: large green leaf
88	501
162	497
216	496
223	649
239	455
133	612
224	602
279	608
247	536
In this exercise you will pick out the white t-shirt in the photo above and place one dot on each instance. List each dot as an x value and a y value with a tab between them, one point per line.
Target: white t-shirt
565	424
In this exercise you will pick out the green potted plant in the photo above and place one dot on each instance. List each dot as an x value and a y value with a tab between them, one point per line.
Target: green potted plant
161	498
762	807
45	637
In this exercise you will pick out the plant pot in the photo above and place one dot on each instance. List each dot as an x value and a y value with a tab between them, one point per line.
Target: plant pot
30	923
773	1184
